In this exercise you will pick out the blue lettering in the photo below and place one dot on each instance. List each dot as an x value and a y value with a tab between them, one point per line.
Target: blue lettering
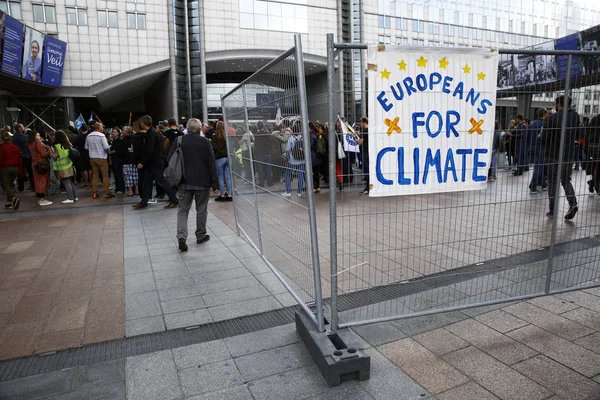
409	85
421	82
463	153
379	174
485	103
471	97
460	88
450	125
478	164
436	81
417	123
432	161
401	179
400	95
416	165
450	166
446	85
428	125
384	102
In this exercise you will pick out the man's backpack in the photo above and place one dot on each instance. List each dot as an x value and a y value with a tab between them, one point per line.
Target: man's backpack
175	170
298	149
321	146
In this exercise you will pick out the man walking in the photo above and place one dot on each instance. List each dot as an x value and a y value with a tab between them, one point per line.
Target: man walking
200	175
97	145
19	139
152	163
551	142
521	146
535	135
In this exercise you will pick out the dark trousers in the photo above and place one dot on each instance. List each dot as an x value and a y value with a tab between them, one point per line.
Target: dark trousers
117	168
27	174
365	166
8	176
539	169
565	179
155	174
318	169
265	171
522	157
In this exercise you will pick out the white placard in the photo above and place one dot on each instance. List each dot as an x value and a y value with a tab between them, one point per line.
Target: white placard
431	118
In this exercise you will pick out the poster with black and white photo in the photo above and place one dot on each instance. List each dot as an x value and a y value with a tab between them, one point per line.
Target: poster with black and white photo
524	67
545	65
590	41
506	72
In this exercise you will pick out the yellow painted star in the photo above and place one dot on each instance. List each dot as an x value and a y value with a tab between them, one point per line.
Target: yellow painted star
467	69
422	62
481	76
402	65
385	74
443	63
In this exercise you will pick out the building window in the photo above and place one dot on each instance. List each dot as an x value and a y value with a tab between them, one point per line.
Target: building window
402	41
12	8
463	32
418	26
596	96
595	110
77	16
44	13
434	28
107	18
587	109
448	30
385	39
384	21
136	21
418	42
587	96
401	24
434	43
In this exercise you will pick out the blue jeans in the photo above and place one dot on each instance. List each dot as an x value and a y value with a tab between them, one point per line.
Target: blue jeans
224	173
539	169
494	167
288	177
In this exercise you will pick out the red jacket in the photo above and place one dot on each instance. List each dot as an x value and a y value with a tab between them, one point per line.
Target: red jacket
10	156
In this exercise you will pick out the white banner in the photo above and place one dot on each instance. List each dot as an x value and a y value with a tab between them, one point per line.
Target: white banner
431	118
349	136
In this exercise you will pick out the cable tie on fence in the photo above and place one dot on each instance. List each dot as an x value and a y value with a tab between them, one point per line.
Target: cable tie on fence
348	269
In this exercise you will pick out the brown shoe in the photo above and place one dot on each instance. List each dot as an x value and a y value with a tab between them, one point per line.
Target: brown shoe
172	205
182	245
109	196
139	206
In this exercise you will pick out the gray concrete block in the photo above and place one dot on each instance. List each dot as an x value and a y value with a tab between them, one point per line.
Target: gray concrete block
174	282
135	251
178	293
187	318
161	258
136	283
235	296
152	377
240	392
255	265
99	374
262	340
247	307
167	265
220	275
273	361
183	304
243	251
220	265
270	281
229	284
137	265
135	327
210	377
412	326
38	386
200	354
295	384
208	259
114	391
141	305
346	391
380	333
171	273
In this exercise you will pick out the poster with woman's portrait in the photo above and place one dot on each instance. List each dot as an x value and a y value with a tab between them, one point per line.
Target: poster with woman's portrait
32	55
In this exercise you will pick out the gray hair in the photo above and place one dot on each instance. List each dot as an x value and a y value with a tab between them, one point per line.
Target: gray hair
128	129
194	125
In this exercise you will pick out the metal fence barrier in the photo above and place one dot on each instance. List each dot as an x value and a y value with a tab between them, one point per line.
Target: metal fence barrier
267	119
398	257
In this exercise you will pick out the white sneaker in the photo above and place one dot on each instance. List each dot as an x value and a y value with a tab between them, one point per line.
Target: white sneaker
299	194
76	198
68	201
286	194
152	201
45	203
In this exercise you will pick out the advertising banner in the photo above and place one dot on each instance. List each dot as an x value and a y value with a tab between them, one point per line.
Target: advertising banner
32	55
431	117
590	41
545	65
570	42
53	61
12	50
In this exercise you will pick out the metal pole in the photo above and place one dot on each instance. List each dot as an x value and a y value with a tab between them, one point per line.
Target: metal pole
561	152
260	246
172	72
34	114
230	159
332	179
188	67
203	63
312	212
42	113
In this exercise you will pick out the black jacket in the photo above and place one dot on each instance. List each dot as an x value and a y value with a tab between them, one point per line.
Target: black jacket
173	134
152	150
199	161
551	136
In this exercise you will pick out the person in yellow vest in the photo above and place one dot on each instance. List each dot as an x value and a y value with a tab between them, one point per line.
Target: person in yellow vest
63	166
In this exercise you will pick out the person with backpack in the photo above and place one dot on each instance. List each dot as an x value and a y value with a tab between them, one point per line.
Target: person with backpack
295	150
318	148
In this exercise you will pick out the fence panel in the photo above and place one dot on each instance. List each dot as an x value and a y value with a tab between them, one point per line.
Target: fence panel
273	199
413	255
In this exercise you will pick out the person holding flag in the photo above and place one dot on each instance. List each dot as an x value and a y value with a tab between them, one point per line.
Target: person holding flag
349	140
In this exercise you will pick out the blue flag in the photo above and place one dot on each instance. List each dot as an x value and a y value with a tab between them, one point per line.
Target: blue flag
79	122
